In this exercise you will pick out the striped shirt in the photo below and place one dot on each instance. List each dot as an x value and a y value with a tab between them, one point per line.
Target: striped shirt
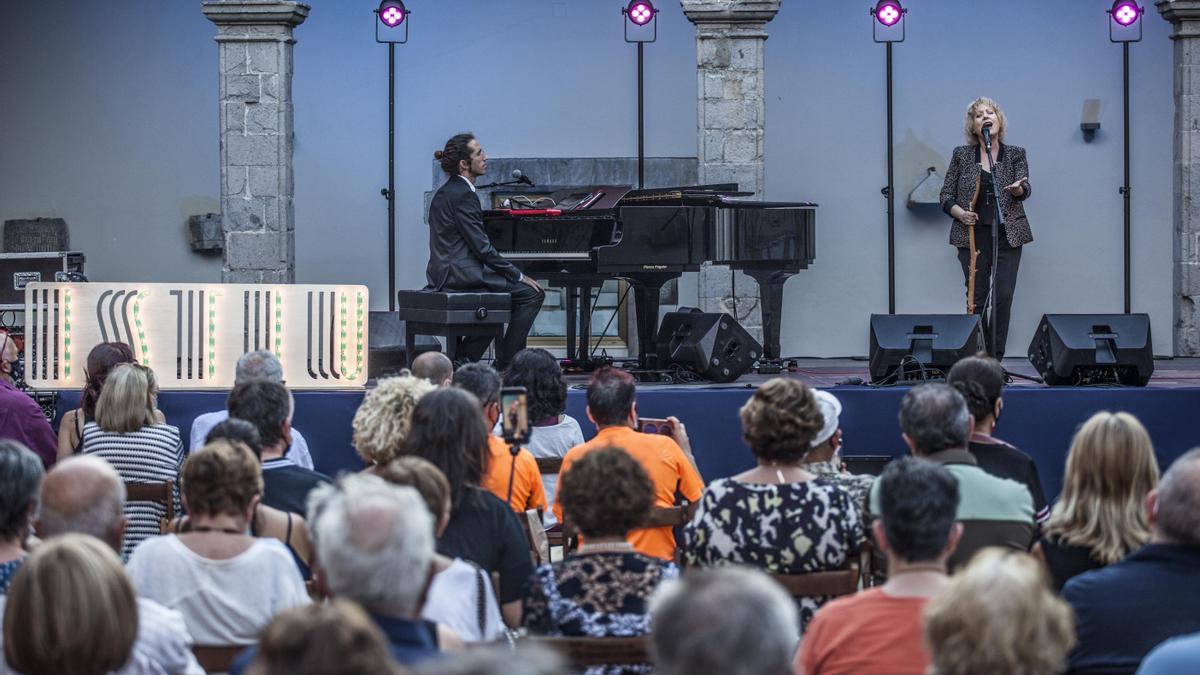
152	454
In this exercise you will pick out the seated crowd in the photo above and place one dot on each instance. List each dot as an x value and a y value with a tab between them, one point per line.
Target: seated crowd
432	558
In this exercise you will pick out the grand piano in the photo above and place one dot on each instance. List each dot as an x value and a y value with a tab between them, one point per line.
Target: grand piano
579	237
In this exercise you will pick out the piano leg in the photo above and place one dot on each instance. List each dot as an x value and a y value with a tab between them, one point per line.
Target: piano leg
585	324
572	302
770	285
646	291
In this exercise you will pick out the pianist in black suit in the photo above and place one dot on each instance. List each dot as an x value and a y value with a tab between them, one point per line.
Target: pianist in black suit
462	258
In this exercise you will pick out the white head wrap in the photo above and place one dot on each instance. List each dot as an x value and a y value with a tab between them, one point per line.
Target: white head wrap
830	409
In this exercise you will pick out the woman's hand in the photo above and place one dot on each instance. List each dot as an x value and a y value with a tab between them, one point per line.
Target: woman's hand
1017	188
968	217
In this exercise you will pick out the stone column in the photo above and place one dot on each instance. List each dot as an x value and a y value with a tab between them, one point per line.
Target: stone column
254	39
730	37
1184	16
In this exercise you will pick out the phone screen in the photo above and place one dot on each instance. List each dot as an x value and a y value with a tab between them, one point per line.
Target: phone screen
514	414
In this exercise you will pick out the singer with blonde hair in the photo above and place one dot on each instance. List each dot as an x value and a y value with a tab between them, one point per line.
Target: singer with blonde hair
988	178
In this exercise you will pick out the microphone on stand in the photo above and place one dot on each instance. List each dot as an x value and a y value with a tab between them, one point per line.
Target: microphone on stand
522	178
987	135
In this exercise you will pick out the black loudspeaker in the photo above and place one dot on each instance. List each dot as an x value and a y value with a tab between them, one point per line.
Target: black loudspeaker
713	345
921	346
1093	349
385	344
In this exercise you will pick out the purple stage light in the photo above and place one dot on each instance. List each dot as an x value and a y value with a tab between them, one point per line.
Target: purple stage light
1125	12
392	13
640	12
888	12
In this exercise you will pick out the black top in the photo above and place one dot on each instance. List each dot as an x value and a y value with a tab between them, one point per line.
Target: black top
486	532
1004	461
1065	560
286	486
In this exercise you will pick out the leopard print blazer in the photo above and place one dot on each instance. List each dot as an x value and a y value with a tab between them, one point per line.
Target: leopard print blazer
962	185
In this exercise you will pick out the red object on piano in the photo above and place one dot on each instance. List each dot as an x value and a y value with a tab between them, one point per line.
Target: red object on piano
533	212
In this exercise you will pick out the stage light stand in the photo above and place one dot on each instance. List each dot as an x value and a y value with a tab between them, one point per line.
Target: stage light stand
888	27
1126	27
641	27
391	28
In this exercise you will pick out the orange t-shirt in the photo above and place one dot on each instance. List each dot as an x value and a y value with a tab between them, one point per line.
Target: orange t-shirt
669	470
527	492
871	632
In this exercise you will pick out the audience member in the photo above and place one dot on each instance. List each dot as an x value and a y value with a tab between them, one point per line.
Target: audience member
777	516
258	365
448	431
460	597
879	630
433	367
85	495
20	480
268	406
375	547
525	659
1100	517
23	420
1126	609
1177	655
226	583
980	379
290	529
667	460
382	421
823	460
100	361
994	511
604	588
334	638
128	435
997	615
553	432
512	473
70	610
729	620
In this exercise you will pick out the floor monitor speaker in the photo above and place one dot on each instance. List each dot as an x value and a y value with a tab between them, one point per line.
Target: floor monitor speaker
1081	349
921	346
713	345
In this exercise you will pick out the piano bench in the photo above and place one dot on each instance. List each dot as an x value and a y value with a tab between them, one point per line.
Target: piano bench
451	315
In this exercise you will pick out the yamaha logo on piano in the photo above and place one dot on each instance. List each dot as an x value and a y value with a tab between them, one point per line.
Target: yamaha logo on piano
550	240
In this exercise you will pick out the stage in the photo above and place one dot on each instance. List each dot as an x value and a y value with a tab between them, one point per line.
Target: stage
1038	419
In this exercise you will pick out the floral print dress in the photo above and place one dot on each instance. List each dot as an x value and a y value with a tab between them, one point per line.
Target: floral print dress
602	594
790	528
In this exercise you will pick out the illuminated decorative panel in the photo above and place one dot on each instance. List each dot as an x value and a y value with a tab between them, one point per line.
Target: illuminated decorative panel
191	335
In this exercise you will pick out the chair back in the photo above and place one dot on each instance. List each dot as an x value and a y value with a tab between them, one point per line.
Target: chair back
815	584
591	651
217	658
549	466
154	492
535	534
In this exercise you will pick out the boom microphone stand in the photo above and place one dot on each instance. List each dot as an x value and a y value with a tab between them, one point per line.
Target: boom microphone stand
991	298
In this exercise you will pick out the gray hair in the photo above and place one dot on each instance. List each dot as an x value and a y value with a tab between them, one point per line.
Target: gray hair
526	659
934	417
259	365
20	481
728	620
82	494
374	542
1179	501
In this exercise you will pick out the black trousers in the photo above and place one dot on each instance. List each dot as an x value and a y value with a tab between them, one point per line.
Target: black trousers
1006	283
526	303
